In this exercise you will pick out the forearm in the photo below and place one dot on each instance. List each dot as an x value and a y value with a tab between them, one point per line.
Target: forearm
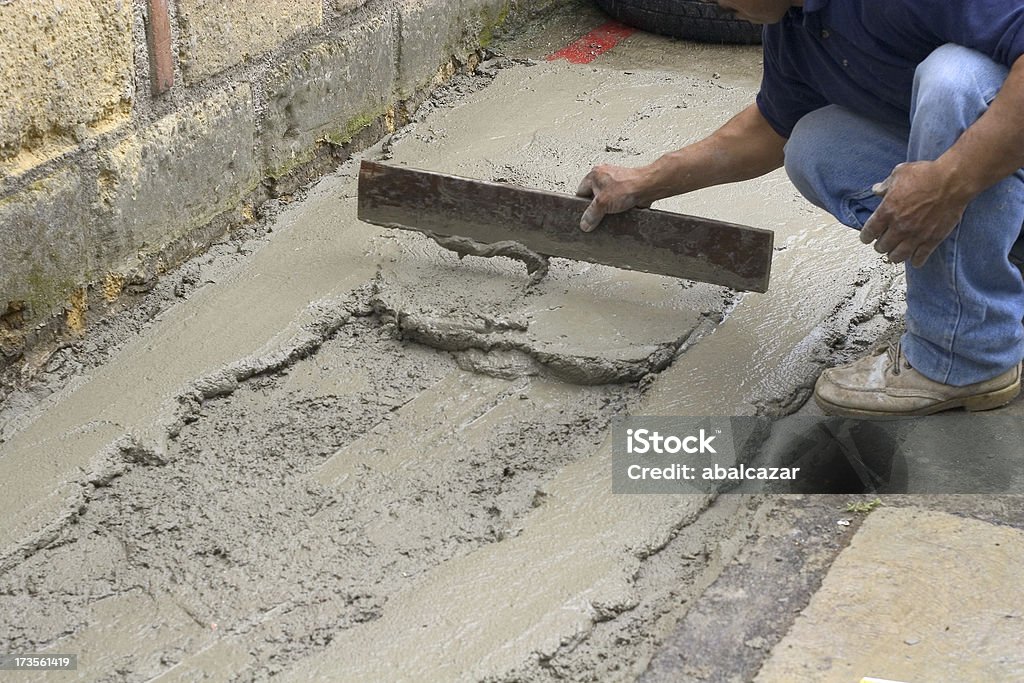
992	148
745	147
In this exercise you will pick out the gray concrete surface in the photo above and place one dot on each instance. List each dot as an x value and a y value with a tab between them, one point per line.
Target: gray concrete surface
279	465
330	92
216	135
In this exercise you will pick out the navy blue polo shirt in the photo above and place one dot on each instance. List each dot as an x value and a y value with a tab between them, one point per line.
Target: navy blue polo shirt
861	54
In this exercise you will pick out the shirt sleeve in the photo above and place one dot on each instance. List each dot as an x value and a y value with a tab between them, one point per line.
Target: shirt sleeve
784	98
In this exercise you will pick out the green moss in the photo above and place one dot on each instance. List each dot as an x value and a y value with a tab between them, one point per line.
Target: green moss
283	170
863	507
352	127
45	292
486	36
338	137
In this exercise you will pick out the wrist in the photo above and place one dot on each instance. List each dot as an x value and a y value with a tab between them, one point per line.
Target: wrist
644	186
662	178
955	183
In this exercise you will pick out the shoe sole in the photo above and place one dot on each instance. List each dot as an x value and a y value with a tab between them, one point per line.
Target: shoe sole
977	403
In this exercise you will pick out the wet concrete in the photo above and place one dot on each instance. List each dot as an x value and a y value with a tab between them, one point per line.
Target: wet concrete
331	451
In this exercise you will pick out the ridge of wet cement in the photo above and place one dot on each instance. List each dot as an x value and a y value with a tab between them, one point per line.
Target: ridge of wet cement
497	347
865	316
130	450
672	572
358	600
537	265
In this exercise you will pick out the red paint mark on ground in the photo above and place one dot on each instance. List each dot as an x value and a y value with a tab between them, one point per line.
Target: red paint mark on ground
594	44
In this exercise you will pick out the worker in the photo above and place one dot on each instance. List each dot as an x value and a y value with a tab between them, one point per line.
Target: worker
903	119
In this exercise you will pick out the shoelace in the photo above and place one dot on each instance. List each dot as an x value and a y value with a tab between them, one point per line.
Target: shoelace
895	352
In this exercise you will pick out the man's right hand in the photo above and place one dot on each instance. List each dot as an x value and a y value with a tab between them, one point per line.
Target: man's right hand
614	189
745	147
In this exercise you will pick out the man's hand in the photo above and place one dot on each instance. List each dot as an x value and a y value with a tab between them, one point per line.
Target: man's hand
744	148
614	189
921	206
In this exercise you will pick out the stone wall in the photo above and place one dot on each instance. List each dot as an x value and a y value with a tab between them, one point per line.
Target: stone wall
133	132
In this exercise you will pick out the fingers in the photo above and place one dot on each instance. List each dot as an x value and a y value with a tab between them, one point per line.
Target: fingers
895	244
902	252
613	189
889	240
586	188
872	230
913	217
875	227
916	254
921	255
882	188
594	184
591	217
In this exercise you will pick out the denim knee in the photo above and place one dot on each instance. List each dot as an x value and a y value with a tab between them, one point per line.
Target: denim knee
953	87
841	184
804	157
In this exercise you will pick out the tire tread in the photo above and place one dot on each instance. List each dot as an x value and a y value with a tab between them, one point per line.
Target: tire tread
687	19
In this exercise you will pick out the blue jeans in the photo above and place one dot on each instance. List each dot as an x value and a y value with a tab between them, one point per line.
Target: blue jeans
965	305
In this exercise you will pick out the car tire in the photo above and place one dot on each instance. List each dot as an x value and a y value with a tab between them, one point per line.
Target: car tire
701	20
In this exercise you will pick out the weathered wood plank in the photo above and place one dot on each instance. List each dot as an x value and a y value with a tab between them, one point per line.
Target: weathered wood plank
648	240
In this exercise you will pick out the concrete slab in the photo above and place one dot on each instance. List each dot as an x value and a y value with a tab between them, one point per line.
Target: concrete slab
917	596
318	252
545	589
348	505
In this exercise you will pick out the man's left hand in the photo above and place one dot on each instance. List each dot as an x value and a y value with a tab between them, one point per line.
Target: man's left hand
919	209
